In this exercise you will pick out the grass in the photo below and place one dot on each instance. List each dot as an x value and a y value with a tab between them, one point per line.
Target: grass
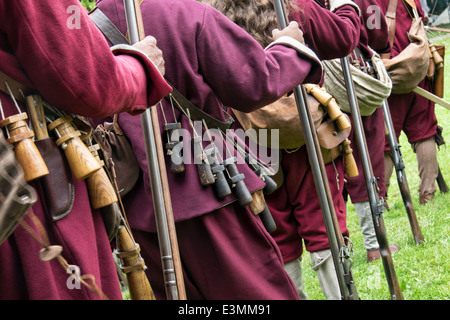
423	271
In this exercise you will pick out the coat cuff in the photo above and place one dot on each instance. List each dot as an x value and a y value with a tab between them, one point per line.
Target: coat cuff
157	88
300	47
336	4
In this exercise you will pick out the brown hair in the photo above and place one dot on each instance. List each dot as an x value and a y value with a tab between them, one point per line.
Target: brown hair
257	17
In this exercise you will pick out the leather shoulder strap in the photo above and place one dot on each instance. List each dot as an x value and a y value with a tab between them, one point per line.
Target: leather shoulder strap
108	28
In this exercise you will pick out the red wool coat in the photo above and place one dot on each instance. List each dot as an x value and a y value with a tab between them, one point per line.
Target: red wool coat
210	74
75	71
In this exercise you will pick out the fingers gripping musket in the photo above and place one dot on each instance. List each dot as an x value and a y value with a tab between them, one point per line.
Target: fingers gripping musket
401	175
168	244
376	204
339	253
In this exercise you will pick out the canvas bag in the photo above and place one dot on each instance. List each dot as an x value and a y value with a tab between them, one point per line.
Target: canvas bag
370	91
410	66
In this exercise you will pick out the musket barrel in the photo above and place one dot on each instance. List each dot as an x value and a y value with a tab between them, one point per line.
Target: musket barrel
401	175
375	203
334	237
158	203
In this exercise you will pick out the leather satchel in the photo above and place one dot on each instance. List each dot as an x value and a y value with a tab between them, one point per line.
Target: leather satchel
118	155
282	115
410	66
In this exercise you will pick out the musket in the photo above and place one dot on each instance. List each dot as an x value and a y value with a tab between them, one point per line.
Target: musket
432	97
399	165
168	244
376	204
338	249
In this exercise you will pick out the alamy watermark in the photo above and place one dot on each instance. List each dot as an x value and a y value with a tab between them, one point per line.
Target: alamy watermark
74	19
373	20
73	282
374	17
234	143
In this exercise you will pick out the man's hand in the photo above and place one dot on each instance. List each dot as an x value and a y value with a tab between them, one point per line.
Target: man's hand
148	46
292	30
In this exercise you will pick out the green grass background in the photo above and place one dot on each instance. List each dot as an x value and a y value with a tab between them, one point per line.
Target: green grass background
423	271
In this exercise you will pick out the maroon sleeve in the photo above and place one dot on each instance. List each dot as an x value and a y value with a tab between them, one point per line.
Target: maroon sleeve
66	58
330	34
256	77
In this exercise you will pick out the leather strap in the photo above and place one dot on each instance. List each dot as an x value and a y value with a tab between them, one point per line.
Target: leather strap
390	20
